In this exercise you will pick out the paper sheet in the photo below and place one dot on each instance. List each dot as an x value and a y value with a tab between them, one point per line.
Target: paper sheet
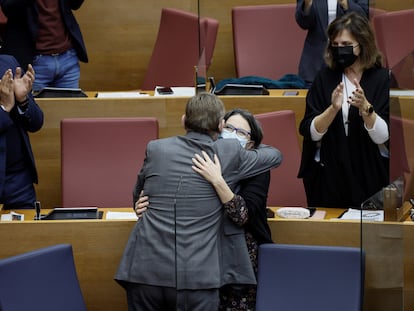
132	94
178	91
367	215
12	216
120	215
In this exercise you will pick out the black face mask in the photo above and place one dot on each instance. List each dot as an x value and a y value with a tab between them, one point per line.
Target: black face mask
343	56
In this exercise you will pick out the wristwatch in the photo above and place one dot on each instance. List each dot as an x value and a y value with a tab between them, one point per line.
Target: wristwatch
368	110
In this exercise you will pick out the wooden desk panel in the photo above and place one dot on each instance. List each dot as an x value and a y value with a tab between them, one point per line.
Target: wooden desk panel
402	106
46	142
98	246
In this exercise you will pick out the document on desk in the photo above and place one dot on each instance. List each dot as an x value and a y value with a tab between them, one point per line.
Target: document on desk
121	215
131	94
367	215
177	91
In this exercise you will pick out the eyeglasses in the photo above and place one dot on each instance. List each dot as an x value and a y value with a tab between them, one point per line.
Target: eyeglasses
240	132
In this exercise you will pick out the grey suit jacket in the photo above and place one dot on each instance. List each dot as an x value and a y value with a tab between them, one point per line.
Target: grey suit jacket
179	242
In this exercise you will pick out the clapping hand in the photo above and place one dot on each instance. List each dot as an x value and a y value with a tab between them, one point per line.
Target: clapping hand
23	83
358	98
343	4
6	91
337	96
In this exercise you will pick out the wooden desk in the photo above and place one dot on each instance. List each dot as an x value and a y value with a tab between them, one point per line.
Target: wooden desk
168	110
98	246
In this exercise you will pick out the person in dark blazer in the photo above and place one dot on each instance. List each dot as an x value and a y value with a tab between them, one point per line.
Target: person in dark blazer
19	114
315	16
45	33
174	258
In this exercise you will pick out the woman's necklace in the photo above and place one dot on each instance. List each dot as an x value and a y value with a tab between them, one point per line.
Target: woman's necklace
345	104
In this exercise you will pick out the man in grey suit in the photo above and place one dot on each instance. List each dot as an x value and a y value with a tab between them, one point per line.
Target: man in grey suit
176	257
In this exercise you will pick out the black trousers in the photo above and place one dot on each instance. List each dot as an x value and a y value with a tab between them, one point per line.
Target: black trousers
18	192
150	298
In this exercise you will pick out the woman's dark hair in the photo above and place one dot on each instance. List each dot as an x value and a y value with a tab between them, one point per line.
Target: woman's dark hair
359	27
256	132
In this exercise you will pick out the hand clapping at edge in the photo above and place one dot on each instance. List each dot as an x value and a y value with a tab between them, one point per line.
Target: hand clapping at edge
23	84
6	91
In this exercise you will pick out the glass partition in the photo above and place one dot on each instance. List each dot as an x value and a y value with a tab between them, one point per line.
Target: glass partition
384	241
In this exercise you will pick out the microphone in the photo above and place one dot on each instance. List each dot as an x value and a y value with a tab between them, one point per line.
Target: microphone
38	216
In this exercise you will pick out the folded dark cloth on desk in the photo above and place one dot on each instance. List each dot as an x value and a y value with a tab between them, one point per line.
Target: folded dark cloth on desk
288	81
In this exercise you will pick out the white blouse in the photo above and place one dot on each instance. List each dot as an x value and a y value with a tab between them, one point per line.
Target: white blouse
331	10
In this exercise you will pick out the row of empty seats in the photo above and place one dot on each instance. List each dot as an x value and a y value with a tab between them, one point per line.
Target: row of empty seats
267	42
102	156
308	277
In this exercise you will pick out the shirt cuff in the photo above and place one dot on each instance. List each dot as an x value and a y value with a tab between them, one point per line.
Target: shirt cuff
379	132
316	136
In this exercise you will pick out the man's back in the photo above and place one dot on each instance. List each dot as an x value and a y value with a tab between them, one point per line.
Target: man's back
184	215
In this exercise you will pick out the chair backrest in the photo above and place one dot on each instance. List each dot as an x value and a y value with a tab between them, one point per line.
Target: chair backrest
375	11
393	31
101	158
398	155
394	34
402	153
44	279
181	39
267	41
280	131
305	277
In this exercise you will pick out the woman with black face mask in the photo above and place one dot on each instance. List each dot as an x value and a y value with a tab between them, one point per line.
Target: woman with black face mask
345	129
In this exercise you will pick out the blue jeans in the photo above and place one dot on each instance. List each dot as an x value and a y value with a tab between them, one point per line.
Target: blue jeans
61	70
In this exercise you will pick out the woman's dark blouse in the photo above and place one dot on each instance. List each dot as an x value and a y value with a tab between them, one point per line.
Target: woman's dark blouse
254	192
